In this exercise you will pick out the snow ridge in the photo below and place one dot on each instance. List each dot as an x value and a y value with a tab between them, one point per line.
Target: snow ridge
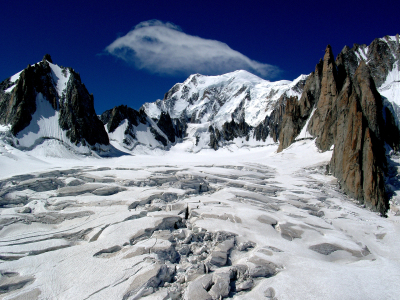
216	98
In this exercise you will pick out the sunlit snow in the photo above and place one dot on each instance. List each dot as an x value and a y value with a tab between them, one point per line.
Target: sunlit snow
86	212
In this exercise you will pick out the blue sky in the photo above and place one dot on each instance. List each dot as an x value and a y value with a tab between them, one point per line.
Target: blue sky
131	52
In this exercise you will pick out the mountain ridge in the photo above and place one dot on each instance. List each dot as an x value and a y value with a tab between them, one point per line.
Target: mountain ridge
350	102
62	100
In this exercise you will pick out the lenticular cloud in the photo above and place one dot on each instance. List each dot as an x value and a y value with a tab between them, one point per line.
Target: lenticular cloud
164	49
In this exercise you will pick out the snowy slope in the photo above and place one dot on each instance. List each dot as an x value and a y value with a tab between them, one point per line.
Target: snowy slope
136	140
204	102
216	98
60	78
44	125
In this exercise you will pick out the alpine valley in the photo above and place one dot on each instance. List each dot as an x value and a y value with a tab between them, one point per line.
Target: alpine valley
231	186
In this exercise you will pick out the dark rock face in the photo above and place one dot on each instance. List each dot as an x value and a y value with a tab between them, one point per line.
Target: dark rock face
77	114
348	114
324	117
165	124
48	58
17	108
358	159
115	116
296	112
230	130
380	56
171	128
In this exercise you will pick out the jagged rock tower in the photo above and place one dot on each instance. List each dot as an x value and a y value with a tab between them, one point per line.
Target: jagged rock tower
345	111
67	95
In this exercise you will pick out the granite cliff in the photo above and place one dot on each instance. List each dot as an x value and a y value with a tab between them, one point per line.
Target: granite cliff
46	91
342	109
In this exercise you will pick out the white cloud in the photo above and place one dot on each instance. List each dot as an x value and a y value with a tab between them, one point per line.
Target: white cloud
164	49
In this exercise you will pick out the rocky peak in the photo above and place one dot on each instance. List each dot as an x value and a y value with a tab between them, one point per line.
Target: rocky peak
65	92
114	117
295	113
16	108
77	114
347	114
382	55
47	57
358	159
324	116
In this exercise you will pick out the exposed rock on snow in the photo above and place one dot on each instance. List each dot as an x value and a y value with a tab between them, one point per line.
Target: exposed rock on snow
254	228
129	129
243	222
230	106
51	102
348	116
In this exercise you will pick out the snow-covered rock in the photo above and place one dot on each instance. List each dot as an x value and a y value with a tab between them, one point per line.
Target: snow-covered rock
220	109
46	101
133	131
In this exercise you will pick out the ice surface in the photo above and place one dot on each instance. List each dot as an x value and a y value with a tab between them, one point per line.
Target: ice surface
264	223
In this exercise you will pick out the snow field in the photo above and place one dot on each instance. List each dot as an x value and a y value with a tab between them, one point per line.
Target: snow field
103	226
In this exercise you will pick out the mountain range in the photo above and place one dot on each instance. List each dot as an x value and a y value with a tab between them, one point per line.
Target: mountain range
350	105
231	186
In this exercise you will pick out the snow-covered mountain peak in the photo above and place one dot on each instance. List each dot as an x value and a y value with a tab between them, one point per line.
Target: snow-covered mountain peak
388	38
209	103
59	77
46	101
218	99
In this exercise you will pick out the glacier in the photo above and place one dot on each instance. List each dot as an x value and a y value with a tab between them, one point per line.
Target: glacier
154	226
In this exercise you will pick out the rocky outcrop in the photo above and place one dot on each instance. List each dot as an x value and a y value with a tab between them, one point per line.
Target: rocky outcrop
295	113
173	128
17	108
381	56
228	132
114	117
77	114
164	130
358	159
322	121
344	110
75	104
